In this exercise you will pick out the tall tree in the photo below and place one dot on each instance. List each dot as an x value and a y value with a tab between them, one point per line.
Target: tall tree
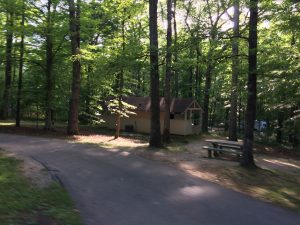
20	79
49	70
74	14
120	81
247	159
235	72
155	135
167	89
176	84
210	65
8	64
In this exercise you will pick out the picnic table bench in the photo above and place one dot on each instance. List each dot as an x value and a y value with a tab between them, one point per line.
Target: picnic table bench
219	146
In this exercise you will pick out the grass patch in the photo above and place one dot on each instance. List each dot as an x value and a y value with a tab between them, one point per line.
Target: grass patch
270	185
21	203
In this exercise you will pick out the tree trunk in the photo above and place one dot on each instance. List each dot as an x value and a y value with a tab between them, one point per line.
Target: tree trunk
88	94
206	97
8	68
166	133
155	135
191	76
240	114
235	71
247	155
20	80
176	81
198	77
49	70
74	13
280	118
120	84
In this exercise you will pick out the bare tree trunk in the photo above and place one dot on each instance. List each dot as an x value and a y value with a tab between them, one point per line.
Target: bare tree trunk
8	68
191	76
235	71
166	133
176	82
280	118
247	159
206	97
120	104
74	13
49	70
198	78
240	114
120	84
155	135
20	80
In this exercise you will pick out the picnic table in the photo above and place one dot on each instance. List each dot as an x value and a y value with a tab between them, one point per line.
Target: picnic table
219	146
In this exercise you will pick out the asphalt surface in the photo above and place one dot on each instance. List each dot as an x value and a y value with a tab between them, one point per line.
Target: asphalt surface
114	188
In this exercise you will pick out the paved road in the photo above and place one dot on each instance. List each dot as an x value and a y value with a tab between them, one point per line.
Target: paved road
112	188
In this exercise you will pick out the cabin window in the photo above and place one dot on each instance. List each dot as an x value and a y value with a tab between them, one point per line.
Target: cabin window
172	116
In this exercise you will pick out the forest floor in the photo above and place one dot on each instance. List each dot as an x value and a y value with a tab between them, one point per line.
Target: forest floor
276	180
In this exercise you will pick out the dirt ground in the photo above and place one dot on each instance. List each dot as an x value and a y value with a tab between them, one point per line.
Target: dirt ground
190	154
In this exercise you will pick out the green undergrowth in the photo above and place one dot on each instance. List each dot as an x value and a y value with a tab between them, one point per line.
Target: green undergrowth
24	204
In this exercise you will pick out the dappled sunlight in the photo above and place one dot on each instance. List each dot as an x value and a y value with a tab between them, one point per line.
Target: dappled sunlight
110	140
125	153
280	195
259	191
6	123
193	170
114	150
281	163
195	191
191	193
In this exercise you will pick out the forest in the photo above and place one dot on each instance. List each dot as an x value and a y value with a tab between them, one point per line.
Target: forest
240	59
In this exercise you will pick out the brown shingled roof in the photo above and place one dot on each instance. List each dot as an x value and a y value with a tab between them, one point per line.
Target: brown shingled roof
178	105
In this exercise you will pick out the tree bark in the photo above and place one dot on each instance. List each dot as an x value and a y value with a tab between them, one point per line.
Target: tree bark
20	79
49	70
247	159
235	71
120	84
190	90
198	77
8	67
166	132
155	135
176	78
74	13
206	98
280	118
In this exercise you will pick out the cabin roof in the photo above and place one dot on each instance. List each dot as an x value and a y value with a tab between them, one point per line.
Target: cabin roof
178	105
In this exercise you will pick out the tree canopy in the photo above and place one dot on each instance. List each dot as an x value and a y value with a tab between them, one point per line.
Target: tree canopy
111	55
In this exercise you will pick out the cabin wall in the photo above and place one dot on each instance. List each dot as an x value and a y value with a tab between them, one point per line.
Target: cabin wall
141	123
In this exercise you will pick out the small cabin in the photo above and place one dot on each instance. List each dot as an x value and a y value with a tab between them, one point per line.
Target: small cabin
185	116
